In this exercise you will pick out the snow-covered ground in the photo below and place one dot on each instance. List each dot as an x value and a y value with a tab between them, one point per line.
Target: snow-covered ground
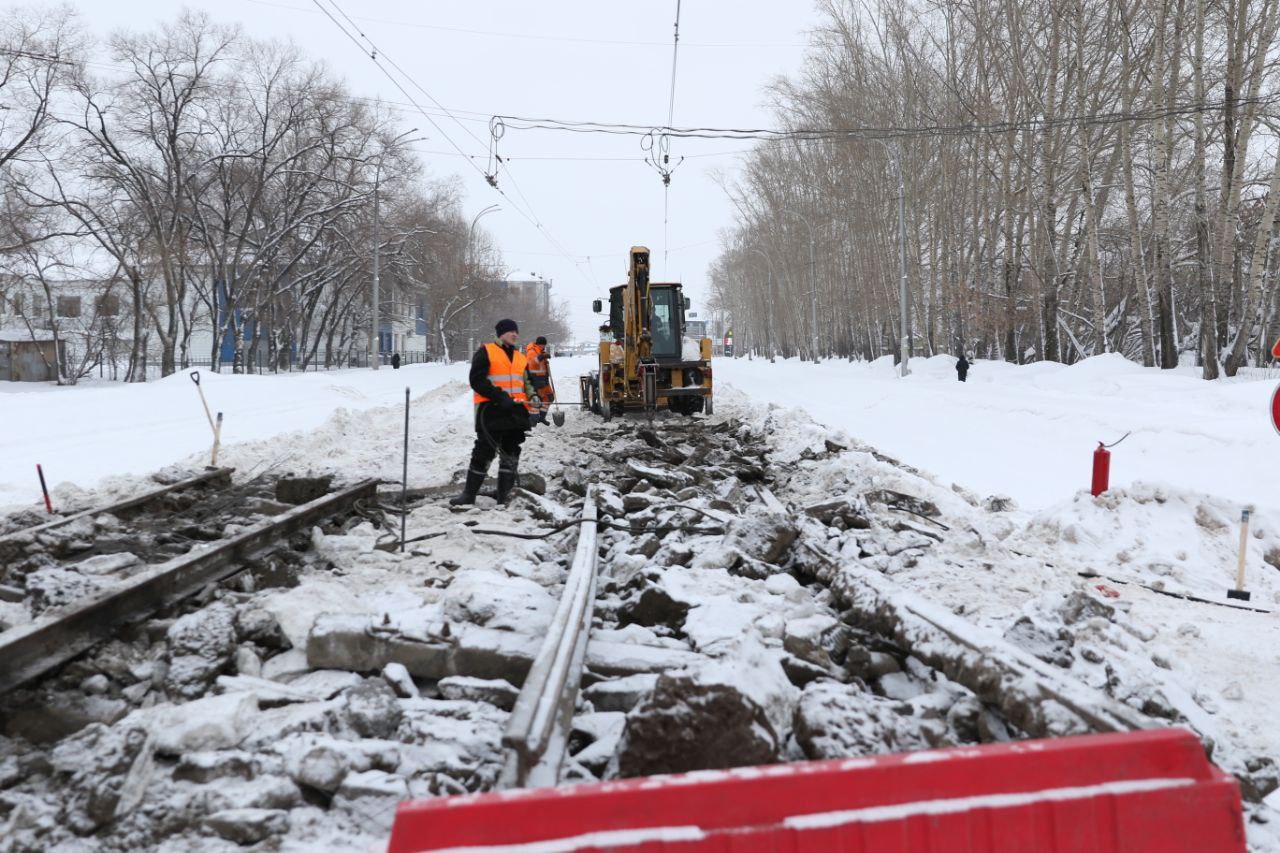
1029	431
1199	452
1023	431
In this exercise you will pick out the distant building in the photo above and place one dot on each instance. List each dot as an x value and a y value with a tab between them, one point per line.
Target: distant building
535	290
694	327
23	359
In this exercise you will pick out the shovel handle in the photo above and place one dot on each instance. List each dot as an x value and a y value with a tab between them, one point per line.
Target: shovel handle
195	376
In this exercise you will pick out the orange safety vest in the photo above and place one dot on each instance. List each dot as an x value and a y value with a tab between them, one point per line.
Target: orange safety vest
506	373
537	361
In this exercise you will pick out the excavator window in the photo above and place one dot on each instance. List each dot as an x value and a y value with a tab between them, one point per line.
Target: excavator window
666	324
616	322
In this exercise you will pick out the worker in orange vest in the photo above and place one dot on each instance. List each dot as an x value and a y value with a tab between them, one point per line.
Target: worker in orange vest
500	379
1275	350
540	375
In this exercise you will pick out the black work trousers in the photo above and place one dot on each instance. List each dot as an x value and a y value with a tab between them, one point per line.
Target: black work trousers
505	444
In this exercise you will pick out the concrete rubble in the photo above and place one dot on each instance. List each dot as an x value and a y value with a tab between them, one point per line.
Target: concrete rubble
751	609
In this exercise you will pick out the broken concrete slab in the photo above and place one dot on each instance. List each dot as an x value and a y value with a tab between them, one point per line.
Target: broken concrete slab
301	490
762	534
214	722
248	826
358	643
372	710
106	564
496	692
205	767
850	509
668	478
398	678
620	694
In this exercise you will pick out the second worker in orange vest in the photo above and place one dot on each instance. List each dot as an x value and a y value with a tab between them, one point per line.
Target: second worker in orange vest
500	379
540	376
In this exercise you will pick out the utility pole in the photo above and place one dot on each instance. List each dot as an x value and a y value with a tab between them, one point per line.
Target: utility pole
375	333
813	295
771	319
905	343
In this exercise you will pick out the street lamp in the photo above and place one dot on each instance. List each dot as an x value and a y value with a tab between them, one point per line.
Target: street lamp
470	259
375	336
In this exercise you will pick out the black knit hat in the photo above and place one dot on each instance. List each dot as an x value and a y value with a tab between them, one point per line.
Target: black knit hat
505	326
541	341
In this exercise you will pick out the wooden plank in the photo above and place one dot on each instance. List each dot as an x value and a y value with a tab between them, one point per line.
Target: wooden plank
30	650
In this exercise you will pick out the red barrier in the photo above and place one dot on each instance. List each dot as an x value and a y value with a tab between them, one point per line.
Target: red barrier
1139	791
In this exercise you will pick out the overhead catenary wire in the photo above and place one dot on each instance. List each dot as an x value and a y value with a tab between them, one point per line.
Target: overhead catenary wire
878	132
373	53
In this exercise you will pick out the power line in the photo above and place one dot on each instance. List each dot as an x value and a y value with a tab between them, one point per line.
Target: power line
529	215
403	73
538	37
882	131
400	107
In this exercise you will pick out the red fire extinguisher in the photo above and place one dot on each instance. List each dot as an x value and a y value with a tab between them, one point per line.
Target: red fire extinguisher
1102	466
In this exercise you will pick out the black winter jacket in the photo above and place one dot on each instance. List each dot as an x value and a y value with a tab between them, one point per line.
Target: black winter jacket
501	413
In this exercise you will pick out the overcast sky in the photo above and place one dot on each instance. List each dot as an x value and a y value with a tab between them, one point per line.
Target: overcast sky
593	60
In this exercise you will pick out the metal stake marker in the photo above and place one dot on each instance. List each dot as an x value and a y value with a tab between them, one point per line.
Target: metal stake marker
47	504
404	476
1240	592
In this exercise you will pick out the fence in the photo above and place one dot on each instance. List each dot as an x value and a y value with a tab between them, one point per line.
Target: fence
262	364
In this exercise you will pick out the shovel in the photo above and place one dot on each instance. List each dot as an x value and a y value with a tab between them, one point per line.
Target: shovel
216	427
557	414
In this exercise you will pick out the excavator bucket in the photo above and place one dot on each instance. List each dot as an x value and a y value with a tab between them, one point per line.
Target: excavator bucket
1139	791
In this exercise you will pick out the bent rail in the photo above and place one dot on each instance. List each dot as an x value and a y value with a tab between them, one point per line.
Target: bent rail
538	731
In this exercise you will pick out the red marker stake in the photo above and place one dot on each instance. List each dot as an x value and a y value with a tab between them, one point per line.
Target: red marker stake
47	504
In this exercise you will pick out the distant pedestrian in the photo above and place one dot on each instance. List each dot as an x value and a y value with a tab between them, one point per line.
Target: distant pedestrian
962	368
395	361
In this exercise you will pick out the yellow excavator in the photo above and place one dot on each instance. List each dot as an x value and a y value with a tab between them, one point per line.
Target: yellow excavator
643	365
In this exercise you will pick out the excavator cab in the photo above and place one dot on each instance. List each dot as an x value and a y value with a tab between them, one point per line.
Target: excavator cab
645	362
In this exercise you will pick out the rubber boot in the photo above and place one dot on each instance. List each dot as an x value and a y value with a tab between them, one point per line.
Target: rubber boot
470	490
506	482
